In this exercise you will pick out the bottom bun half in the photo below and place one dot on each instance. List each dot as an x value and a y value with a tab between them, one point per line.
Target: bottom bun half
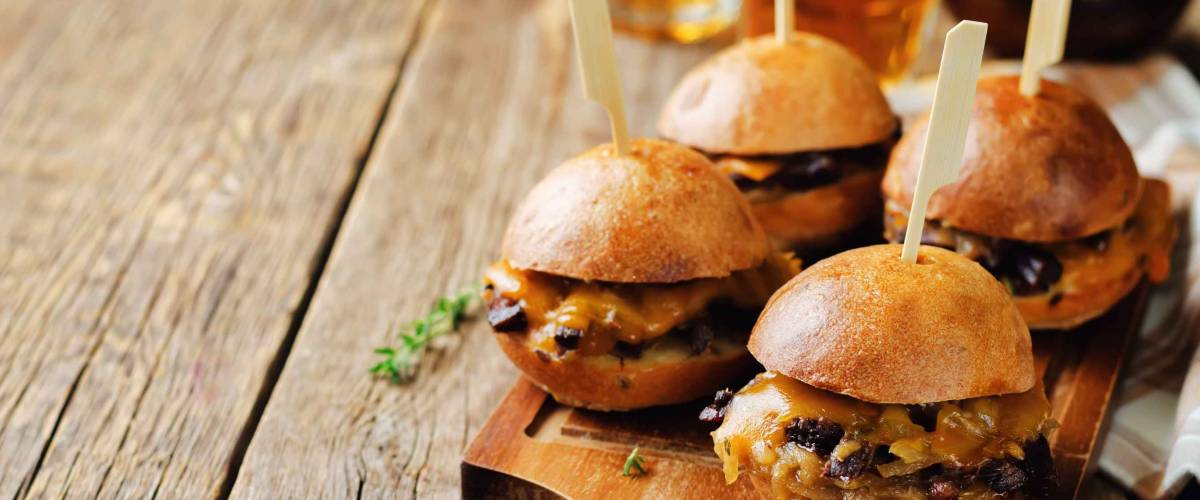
1062	310
665	373
821	218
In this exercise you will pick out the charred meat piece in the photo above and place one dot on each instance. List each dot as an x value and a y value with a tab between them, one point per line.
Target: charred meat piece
1028	269
506	315
816	435
567	338
870	155
883	456
699	335
1039	468
924	415
1002	476
945	483
852	465
742	182
931	472
625	350
808	170
721	318
811	169
1098	241
1032	271
943	489
714	413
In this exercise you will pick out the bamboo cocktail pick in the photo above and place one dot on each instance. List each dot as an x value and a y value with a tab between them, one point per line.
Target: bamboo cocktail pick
785	20
1044	41
948	120
594	45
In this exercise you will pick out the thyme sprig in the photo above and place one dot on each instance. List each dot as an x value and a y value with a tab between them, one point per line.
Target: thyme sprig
400	363
635	464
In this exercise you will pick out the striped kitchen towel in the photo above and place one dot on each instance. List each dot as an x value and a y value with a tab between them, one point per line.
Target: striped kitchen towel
1153	446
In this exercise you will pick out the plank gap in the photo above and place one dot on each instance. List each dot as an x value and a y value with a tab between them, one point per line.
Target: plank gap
322	259
105	309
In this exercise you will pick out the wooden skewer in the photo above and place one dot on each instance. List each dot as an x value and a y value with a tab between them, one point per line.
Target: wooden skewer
594	45
953	98
1044	41
785	20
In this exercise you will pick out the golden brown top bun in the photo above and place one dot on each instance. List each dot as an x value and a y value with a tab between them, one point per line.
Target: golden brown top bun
761	97
865	324
659	215
1040	169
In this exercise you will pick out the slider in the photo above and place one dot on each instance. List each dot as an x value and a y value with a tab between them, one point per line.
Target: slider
1049	201
888	379
803	129
632	280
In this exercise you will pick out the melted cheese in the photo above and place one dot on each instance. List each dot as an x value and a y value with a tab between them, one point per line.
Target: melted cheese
1143	244
967	433
631	313
755	170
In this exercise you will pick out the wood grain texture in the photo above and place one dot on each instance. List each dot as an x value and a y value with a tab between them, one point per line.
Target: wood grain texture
538	444
490	102
1081	383
168	173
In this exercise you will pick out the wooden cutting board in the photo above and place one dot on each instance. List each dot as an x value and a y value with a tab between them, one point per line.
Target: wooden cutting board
533	447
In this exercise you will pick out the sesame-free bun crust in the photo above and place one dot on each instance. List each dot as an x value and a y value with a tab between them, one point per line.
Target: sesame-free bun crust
1039	169
664	374
761	97
659	215
865	324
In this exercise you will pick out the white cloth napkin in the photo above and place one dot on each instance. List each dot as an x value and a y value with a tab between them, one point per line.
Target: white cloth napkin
1153	446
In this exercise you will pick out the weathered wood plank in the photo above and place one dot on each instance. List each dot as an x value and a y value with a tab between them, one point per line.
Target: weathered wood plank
168	173
491	103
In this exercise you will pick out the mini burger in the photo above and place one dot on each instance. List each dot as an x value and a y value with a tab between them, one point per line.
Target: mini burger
632	281
889	380
802	129
1048	200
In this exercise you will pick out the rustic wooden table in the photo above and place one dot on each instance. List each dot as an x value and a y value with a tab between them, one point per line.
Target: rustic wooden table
211	211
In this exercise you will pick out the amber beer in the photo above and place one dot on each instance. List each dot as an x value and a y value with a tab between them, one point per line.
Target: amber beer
884	33
683	20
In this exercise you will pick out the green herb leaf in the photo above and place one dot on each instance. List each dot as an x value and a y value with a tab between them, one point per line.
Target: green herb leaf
400	362
635	464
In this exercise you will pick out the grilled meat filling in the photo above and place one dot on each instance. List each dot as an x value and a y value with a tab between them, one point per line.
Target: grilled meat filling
714	413
767	176
1028	269
810	443
565	317
1025	268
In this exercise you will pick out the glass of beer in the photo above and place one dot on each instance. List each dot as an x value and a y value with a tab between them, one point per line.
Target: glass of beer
887	34
683	20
